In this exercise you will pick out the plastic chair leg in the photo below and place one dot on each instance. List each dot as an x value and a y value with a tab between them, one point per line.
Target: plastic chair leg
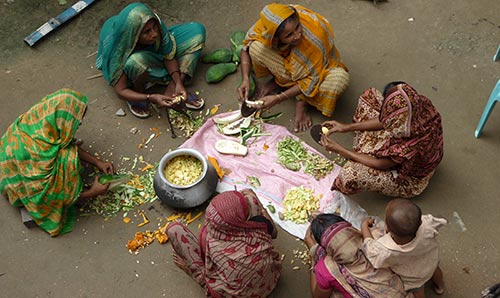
486	113
497	55
494	97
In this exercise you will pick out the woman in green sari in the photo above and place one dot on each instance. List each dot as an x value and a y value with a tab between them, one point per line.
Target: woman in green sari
137	50
40	164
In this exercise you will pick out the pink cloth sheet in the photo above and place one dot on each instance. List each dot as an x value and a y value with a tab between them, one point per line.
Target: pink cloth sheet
275	179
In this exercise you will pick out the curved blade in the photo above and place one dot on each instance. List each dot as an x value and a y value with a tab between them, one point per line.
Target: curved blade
316	132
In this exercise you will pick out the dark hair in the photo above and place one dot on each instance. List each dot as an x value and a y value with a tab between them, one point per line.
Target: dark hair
322	222
404	218
260	218
390	85
281	27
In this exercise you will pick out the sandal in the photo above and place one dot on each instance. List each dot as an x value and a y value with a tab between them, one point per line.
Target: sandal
194	102
140	110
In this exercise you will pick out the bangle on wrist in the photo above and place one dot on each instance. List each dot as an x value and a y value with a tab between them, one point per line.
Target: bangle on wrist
148	97
285	95
172	73
279	97
244	62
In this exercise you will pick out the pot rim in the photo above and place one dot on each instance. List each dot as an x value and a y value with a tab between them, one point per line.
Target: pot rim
178	152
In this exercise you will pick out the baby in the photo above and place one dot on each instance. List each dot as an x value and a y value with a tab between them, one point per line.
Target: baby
409	246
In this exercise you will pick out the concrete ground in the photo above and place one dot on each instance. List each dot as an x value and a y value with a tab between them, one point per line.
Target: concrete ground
443	48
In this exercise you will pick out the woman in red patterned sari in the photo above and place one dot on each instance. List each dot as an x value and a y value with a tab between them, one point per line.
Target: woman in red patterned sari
233	255
398	143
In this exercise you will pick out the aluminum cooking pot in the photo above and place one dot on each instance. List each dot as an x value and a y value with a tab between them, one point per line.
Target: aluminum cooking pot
185	196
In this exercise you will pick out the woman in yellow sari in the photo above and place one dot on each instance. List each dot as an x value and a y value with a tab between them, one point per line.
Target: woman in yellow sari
40	163
294	45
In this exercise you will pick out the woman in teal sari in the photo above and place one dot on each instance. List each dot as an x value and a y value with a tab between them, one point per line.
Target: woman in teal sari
137	50
40	164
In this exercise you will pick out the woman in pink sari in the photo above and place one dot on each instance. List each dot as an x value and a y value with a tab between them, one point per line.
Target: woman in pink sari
398	143
339	267
233	255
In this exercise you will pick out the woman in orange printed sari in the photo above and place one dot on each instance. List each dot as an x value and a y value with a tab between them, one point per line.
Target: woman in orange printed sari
296	47
40	164
234	254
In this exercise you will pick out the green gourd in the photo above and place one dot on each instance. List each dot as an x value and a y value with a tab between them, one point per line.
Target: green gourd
217	72
236	39
221	55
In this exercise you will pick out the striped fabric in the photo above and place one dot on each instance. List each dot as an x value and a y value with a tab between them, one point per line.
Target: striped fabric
314	64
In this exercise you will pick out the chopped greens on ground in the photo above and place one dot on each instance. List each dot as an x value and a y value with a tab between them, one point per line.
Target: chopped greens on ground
188	124
125	197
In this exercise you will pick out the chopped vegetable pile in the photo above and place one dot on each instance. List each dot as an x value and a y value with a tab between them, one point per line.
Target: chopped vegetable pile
137	191
143	239
293	155
299	202
183	170
188	125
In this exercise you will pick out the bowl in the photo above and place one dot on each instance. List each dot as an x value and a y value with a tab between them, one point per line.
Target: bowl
185	196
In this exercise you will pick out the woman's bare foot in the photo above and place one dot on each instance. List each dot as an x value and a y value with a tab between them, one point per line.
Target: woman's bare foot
266	89
181	263
170	89
302	119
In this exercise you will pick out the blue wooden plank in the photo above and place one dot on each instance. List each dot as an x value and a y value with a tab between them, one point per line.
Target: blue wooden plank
53	23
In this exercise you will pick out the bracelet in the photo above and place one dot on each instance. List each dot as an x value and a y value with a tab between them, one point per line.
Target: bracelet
285	95
171	74
148	97
279	97
244	62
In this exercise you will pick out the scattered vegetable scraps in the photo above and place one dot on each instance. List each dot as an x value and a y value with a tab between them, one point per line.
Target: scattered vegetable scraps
139	190
253	181
213	161
145	220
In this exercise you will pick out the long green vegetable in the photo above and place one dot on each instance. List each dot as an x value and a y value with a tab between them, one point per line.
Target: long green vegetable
139	190
114	179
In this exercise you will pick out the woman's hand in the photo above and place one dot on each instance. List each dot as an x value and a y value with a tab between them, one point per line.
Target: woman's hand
161	100
335	126
98	188
244	90
268	101
330	145
105	167
180	91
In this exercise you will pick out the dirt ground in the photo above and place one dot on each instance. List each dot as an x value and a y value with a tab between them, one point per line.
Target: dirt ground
443	48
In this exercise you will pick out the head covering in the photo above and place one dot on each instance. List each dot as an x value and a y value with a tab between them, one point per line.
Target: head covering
239	256
341	243
271	17
315	53
415	133
119	36
39	165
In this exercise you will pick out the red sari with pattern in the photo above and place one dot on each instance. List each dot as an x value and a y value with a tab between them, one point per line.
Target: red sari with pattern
412	137
233	257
